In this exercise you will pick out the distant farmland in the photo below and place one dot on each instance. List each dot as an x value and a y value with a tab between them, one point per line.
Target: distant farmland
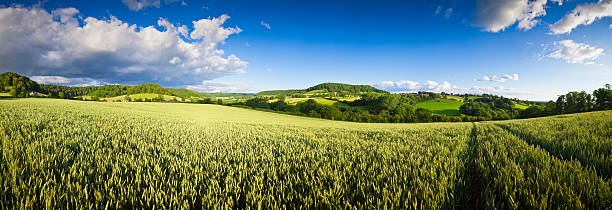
442	106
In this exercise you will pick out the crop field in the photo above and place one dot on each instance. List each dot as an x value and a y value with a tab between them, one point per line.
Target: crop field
294	101
79	154
455	98
441	106
521	106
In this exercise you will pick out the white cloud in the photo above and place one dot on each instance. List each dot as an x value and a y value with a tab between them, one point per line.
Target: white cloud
495	78
136	5
438	10
59	80
411	86
584	14
448	13
573	52
497	15
223	87
51	79
36	42
407	85
264	24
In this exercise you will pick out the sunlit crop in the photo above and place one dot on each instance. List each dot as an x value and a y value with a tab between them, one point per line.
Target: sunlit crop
76	154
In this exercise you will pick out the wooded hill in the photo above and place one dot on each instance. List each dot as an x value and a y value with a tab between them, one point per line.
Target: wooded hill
19	86
327	87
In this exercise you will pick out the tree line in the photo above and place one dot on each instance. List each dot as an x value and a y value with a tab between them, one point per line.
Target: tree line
371	107
499	108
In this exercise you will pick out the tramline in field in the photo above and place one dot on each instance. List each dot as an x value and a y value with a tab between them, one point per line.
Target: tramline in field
78	154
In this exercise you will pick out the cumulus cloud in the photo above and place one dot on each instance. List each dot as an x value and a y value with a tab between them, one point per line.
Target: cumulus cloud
497	15
59	80
411	86
36	42
573	52
223	87
496	78
264	24
407	85
584	14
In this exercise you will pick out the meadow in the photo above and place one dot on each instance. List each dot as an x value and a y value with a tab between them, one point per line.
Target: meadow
81	154
442	106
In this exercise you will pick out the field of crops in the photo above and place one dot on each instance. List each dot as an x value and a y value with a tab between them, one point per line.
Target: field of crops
78	154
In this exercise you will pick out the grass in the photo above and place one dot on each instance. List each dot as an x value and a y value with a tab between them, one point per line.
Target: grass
442	106
5	95
82	154
520	106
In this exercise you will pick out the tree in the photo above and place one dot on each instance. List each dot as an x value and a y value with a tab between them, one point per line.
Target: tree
220	101
603	98
423	115
13	91
60	95
560	105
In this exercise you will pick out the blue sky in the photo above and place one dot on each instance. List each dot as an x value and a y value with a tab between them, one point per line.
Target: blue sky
516	48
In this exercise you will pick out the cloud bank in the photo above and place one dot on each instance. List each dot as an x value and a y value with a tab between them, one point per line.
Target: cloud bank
497	15
495	78
584	14
223	87
38	43
432	86
573	52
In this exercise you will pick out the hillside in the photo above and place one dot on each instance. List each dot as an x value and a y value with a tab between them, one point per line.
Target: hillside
17	85
326	88
25	85
106	91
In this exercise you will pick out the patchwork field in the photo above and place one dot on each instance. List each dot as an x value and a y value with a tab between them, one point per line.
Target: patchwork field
79	154
294	101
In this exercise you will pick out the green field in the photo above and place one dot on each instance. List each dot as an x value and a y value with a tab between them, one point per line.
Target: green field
80	154
520	106
441	106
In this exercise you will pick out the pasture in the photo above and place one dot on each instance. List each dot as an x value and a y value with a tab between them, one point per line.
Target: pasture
442	106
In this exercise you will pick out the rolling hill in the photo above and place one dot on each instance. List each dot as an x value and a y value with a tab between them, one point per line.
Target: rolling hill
326	88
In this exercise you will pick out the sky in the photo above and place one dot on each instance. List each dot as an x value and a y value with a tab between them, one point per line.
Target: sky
527	49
